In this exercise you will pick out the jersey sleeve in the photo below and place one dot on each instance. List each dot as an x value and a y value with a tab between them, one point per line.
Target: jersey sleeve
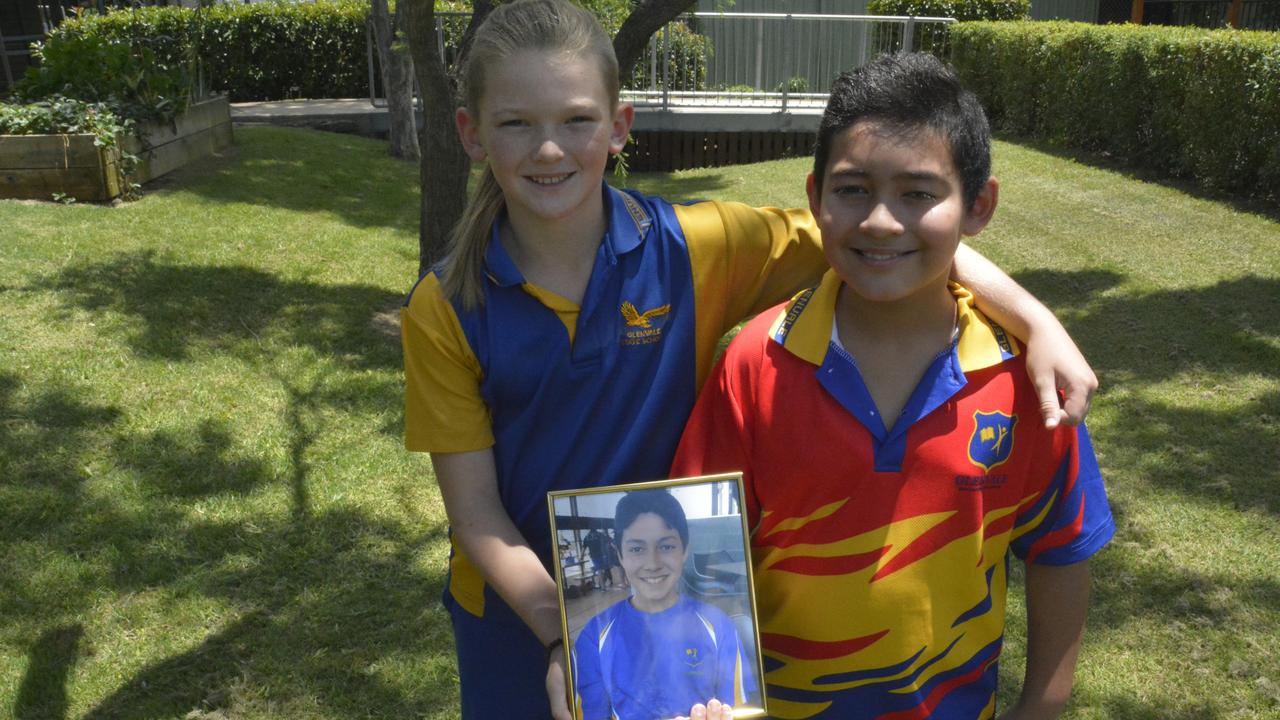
1071	519
444	411
590	699
745	259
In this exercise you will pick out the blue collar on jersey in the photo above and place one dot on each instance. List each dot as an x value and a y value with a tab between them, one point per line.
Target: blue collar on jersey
804	329
628	224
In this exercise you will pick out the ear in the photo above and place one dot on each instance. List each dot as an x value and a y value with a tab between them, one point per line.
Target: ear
623	117
984	208
469	134
815	195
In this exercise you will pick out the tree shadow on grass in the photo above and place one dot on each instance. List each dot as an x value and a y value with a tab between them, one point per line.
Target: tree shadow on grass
43	693
680	188
44	435
325	604
1227	327
310	608
311	171
177	309
1257	206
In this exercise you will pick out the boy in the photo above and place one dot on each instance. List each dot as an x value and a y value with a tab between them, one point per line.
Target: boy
889	439
658	653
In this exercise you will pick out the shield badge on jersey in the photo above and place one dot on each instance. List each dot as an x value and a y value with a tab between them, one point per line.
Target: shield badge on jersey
992	440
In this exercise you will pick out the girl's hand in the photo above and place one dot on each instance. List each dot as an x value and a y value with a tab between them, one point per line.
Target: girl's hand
713	710
557	689
1054	362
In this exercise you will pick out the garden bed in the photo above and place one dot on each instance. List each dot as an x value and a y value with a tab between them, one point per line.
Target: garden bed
46	166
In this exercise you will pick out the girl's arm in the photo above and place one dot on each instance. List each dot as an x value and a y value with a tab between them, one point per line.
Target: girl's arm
1053	360
484	531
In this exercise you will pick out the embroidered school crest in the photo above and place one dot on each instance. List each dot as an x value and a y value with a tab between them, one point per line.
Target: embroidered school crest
645	319
691	657
643	328
991	443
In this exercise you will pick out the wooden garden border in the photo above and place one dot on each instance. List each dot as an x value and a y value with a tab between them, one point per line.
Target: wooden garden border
38	166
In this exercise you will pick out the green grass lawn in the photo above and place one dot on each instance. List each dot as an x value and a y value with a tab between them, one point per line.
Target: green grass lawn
206	510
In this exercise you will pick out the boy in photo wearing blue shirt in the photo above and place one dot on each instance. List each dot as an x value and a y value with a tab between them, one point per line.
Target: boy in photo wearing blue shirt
889	441
658	654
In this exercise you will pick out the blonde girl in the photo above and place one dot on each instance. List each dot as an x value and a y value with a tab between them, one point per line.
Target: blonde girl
562	342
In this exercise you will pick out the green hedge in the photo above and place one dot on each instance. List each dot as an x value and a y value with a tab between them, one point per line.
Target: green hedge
262	51
933	38
272	51
1187	102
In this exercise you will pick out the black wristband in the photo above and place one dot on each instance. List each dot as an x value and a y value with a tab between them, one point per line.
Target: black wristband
551	647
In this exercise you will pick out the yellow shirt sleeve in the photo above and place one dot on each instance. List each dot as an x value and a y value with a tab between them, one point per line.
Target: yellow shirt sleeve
443	411
744	260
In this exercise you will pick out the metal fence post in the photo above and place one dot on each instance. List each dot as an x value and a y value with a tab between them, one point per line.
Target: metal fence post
909	34
666	66
786	63
4	59
759	54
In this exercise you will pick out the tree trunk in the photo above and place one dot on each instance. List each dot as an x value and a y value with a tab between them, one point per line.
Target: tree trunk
444	166
397	81
647	17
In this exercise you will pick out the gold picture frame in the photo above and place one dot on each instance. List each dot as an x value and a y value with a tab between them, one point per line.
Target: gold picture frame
670	615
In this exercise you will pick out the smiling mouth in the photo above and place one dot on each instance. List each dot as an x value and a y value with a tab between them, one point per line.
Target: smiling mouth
548	179
654	580
876	256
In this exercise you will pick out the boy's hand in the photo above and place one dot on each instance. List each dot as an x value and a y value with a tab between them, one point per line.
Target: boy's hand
713	710
1054	362
557	689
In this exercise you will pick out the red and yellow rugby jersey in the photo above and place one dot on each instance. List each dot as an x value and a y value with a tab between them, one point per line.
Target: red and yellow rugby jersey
880	553
575	396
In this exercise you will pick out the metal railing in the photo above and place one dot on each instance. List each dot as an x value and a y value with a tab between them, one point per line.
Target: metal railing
776	61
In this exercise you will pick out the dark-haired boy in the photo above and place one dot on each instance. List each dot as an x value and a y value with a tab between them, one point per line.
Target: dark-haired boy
658	654
889	436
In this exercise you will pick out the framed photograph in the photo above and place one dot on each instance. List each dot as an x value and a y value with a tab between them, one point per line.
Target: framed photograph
657	601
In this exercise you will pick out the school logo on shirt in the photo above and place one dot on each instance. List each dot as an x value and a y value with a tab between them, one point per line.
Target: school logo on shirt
991	443
691	657
643	327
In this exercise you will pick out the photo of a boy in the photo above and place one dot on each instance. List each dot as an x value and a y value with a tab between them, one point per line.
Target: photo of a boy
891	444
658	653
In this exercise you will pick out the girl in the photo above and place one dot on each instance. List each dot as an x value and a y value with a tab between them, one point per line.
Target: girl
562	342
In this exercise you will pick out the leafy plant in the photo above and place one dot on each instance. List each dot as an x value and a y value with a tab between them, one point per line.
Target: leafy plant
797	84
127	76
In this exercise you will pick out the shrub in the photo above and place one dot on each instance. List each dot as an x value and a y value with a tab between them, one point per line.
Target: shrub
129	76
261	51
690	53
933	38
273	51
1183	101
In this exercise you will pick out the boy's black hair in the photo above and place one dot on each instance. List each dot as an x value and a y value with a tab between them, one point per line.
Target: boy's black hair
660	503
906	93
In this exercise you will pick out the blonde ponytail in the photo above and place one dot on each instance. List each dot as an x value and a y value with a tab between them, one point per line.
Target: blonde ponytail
549	25
463	276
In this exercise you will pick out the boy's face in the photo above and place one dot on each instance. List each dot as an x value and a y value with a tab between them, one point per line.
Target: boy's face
892	211
653	558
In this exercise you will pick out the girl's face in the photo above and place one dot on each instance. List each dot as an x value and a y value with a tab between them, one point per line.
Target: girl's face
546	127
653	558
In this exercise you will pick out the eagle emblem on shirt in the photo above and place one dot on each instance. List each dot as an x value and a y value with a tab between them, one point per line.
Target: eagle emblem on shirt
991	443
635	318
